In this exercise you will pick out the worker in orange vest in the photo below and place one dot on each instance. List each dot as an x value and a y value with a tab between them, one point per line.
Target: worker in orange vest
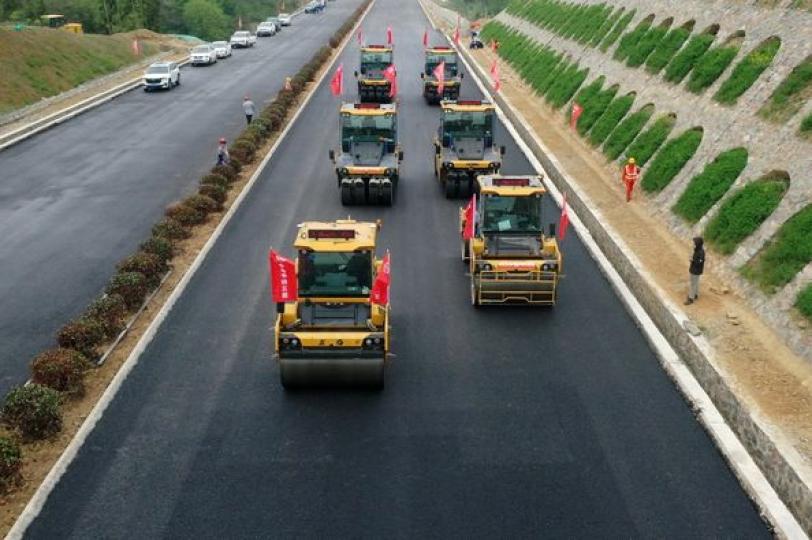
631	173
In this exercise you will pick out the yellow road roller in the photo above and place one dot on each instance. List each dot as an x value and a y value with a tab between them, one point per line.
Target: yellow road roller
511	259
452	77
373	87
332	327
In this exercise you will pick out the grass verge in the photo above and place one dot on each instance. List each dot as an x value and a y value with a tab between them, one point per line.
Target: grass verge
670	160
804	302
686	58
650	140
747	71
626	131
666	49
705	189
610	118
791	94
710	67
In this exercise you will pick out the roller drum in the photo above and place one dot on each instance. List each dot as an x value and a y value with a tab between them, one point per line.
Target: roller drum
363	373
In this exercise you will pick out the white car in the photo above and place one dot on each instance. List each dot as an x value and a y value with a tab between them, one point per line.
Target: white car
222	48
161	75
275	22
266	29
204	54
285	19
243	38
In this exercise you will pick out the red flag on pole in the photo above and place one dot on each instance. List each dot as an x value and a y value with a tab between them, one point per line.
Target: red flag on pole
389	38
497	82
425	38
470	217
360	36
391	75
136	47
457	34
564	222
439	74
284	285
576	113
337	82
380	288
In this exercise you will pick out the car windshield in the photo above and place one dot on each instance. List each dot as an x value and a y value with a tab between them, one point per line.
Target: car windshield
375	60
241	34
469	124
265	25
201	49
283	15
335	274
433	60
502	214
219	44
272	20
366	128
157	70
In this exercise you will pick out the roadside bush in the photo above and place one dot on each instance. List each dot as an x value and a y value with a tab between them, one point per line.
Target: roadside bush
618	29
216	193
11	461
159	246
83	335
806	126
666	49
170	229
646	45
131	286
235	163
33	411
747	71
594	108
215	180
626	131
650	140
744	212
705	189
610	118
670	160
785	255
148	264
804	302
227	171
201	203
686	58
110	310
791	94
185	215
710	67
243	151
62	370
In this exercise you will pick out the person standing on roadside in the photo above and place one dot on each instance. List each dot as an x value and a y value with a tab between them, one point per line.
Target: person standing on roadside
696	269
222	152
631	174
249	109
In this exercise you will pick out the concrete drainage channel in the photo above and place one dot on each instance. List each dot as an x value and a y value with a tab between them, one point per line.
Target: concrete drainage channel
779	463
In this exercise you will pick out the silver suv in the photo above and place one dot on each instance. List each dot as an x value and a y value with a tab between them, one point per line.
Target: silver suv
159	75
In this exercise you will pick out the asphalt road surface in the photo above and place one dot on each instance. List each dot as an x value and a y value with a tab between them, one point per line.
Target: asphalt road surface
80	197
495	423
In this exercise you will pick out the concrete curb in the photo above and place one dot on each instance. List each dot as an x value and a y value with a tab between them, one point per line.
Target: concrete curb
780	463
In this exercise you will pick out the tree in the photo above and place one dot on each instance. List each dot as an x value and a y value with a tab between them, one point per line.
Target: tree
205	19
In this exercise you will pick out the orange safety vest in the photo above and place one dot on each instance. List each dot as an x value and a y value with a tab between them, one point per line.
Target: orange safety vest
631	173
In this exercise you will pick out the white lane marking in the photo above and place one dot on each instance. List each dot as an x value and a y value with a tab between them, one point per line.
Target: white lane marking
35	505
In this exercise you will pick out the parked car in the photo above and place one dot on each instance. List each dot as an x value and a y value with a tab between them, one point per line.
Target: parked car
222	48
275	22
266	29
204	54
243	39
161	75
285	19
314	7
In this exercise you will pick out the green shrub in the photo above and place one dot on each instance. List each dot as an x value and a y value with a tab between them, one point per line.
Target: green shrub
646	45
148	264
705	189
227	171
710	67
216	193
806	126
687	57
594	108
159	246
243	150
791	94
670	160
586	93
785	255
563	89
110	311
83	335
201	203
62	370
626	131
744	212
185	215
630	40
610	118
650	140
171	229
131	286
666	49
33	411
606	27
215	180
236	163
747	71
618	29
804	302
11	461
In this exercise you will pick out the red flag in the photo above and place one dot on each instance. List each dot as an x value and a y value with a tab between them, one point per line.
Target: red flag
564	222
497	82
576	113
136	47
391	75
470	217
425	38
439	74
360	36
337	82
457	34
380	288
389	38
284	284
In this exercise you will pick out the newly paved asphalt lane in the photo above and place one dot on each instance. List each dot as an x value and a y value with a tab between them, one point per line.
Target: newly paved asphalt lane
78	198
495	423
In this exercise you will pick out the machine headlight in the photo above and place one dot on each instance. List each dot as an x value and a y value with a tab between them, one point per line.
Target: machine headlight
549	266
447	165
374	343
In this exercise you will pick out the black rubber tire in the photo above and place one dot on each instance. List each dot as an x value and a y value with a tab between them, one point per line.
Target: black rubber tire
474	293
346	195
178	83
450	189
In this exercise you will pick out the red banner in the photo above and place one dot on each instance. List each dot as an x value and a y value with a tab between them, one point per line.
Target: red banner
391	75
470	219
425	38
439	74
564	222
457	32
576	113
337	82
284	285
497	82
390	40
380	289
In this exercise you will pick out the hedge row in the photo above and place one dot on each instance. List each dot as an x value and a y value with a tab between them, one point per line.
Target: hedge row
705	189
686	58
650	140
670	160
594	106
791	94
650	41
585	23
747	71
618	29
33	412
744	212
626	131
630	40
666	49
710	67
610	118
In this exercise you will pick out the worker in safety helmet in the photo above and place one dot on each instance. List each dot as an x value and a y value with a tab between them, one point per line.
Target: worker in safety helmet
631	174
222	152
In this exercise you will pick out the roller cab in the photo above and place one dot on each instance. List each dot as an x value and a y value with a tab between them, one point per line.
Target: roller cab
464	147
511	259
452	79
367	164
372	86
335	333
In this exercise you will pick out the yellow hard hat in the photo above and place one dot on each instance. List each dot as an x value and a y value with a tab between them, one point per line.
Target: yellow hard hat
632	161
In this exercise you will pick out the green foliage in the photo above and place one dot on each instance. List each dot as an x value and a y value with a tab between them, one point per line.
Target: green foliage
806	126
626	131
160	246
11	461
747	71
131	286
216	193
151	265
650	140
618	29
791	94
705	189
33	411
666	49
477	9
670	160
687	57
594	107
206	20
710	67
646	45
170	229
110	311
185	215
630	40
804	302
785	255
62	370
744	212
565	86
610	118
83	335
